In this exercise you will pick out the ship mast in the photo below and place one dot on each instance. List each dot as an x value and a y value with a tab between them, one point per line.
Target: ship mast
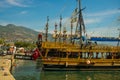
55	32
46	34
60	28
118	38
80	22
71	30
64	35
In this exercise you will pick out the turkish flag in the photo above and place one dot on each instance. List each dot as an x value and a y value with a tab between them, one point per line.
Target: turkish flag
36	54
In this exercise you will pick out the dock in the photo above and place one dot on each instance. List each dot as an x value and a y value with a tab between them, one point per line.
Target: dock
5	66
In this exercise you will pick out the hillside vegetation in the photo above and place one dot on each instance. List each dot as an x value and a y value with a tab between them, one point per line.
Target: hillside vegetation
12	32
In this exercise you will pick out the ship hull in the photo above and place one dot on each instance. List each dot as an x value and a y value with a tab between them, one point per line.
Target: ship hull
75	64
80	68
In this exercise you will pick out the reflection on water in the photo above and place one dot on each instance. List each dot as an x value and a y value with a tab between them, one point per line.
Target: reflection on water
80	75
27	71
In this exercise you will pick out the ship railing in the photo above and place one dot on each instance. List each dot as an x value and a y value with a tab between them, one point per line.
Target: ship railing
75	48
56	45
105	61
83	61
94	49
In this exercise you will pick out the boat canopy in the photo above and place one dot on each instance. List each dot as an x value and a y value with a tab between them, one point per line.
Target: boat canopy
111	39
104	39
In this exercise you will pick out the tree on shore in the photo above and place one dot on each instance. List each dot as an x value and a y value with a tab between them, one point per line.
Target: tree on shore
26	45
2	41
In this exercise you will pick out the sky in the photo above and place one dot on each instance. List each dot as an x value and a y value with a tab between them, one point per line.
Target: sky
101	17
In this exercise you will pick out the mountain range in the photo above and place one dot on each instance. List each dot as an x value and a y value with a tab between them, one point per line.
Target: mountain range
12	32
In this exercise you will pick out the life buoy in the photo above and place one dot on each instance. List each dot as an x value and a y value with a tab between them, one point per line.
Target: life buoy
88	62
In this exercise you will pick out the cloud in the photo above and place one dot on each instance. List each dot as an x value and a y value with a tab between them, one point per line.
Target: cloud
104	13
104	30
16	3
92	20
107	31
23	12
3	23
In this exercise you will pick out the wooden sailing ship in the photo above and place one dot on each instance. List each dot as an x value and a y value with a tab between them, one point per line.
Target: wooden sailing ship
62	54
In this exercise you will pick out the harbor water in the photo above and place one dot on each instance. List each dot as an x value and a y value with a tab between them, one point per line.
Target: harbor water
27	70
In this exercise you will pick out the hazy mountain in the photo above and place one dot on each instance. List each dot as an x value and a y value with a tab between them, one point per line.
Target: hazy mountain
12	32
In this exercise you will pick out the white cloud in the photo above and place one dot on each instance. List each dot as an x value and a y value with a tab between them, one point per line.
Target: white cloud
3	23
92	20
23	12
102	31
16	3
106	31
104	13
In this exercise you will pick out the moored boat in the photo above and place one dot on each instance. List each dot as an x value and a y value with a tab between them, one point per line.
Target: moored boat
64	55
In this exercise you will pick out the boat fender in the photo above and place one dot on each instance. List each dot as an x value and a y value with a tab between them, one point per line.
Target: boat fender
49	59
88	62
66	64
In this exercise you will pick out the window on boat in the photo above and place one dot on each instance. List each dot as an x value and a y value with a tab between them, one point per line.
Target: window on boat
73	55
55	53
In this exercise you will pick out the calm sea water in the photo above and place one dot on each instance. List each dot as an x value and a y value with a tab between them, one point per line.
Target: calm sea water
27	70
